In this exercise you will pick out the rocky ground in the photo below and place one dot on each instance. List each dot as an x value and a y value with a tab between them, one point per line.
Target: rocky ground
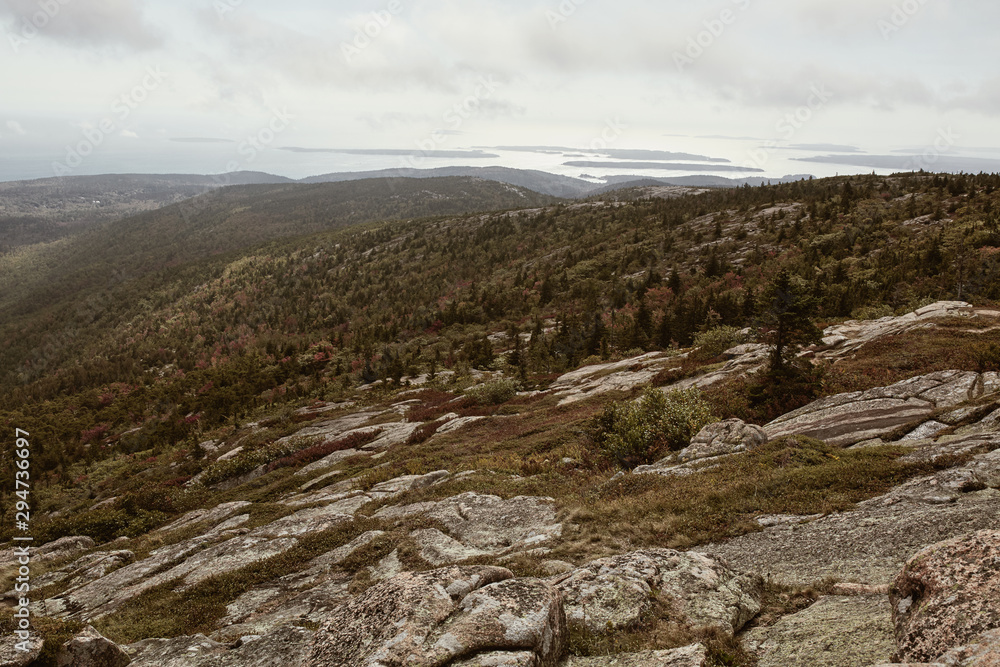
912	575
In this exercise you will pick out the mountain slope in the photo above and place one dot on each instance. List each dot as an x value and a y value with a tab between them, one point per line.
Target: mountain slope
539	181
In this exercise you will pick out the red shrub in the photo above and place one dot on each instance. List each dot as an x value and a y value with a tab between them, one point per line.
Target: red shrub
317	452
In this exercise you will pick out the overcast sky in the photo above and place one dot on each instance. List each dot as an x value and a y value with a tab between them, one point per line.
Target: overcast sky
451	74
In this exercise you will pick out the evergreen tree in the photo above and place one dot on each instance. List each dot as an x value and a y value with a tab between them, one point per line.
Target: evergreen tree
787	309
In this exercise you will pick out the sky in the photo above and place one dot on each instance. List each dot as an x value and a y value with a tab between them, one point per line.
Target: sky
208	85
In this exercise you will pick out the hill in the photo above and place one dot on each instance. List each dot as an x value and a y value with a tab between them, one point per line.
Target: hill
47	209
285	431
539	181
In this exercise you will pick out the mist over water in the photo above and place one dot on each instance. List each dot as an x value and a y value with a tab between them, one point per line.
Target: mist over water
745	157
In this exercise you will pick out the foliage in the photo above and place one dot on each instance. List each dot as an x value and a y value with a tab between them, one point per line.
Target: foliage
152	331
632	433
322	450
494	392
715	341
787	309
987	356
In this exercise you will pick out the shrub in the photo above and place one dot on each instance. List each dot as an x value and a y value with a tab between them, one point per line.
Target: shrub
631	433
317	452
872	312
987	357
424	432
494	392
103	525
715	341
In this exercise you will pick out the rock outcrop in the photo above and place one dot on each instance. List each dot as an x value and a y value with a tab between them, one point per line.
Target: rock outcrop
835	631
10	656
731	436
92	649
947	595
847	419
614	593
983	651
690	656
488	523
286	646
434	618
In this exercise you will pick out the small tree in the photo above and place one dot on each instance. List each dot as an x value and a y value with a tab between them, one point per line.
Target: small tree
787	308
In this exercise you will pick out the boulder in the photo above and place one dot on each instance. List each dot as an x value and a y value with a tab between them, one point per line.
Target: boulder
92	649
11	653
835	631
731	436
86	568
395	487
614	593
438	549
983	651
946	595
213	516
435	618
64	547
695	655
500	659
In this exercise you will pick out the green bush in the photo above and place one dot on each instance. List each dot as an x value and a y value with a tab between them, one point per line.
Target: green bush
876	312
632	433
494	392
715	341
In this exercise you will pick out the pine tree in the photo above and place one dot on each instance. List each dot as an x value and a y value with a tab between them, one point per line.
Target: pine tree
787	309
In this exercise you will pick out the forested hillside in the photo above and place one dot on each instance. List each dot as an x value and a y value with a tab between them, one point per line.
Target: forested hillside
162	326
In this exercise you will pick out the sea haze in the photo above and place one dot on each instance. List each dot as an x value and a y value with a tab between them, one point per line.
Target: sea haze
731	157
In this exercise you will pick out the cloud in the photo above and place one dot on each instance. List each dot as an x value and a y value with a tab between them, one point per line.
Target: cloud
100	23
16	127
129	134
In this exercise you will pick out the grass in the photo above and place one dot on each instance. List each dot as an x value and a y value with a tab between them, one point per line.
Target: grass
794	475
164	612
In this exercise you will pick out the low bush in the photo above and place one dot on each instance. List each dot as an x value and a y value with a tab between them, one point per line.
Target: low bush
632	433
424	432
875	312
715	341
102	525
987	357
317	452
494	392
